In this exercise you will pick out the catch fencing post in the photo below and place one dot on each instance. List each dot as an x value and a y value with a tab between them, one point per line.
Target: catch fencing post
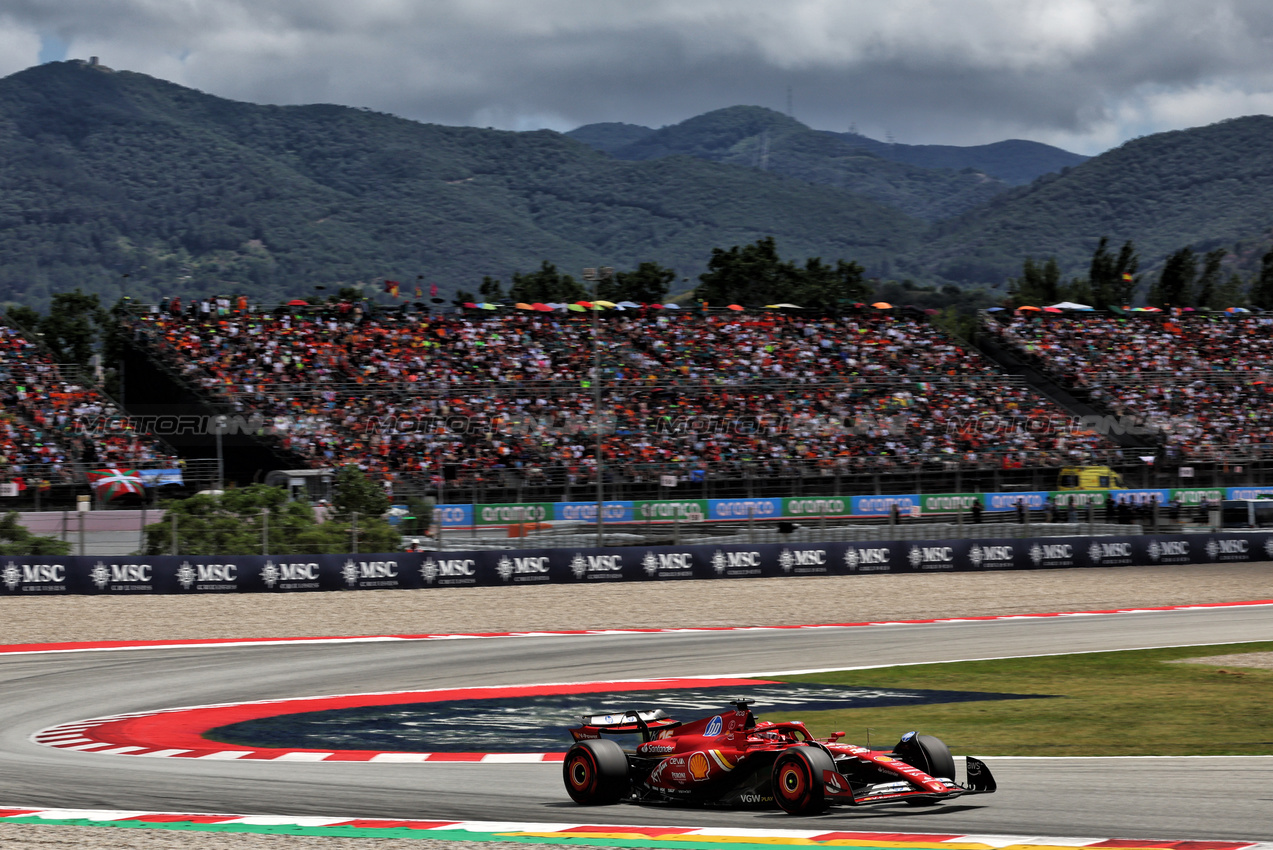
265	531
81	517
174	533
353	532
141	535
676	526
751	525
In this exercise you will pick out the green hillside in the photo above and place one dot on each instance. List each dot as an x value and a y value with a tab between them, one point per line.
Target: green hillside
609	136
1014	161
1204	187
113	173
765	140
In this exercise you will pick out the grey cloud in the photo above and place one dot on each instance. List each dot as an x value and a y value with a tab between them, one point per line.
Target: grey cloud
1078	72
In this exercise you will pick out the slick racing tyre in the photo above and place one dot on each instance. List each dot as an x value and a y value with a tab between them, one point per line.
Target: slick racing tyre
926	753
596	772
797	780
929	754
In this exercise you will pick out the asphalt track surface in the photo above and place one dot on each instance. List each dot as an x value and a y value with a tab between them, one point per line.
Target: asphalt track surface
1202	798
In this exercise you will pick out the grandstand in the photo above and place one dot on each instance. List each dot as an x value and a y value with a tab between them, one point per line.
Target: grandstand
45	450
501	404
1200	381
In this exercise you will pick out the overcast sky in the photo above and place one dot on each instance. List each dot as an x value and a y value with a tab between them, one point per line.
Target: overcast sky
1082	74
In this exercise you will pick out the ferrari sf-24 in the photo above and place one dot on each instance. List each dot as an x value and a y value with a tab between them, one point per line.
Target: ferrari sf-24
730	760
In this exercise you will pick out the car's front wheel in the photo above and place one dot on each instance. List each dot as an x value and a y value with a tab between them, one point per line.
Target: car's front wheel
596	772
797	780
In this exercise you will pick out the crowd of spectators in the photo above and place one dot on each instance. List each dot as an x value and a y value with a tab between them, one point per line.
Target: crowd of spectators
1203	382
404	395
42	424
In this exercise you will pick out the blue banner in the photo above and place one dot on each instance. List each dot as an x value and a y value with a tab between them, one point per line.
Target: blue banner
587	511
883	505
456	516
744	508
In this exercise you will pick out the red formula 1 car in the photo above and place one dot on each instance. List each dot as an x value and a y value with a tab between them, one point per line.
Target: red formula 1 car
731	760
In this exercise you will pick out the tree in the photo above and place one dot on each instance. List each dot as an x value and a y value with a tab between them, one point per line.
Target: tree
24	317
648	284
1230	292
1209	284
234	523
353	491
16	540
1175	283
491	290
1113	279
72	326
755	275
546	285
750	274
1037	284
1262	286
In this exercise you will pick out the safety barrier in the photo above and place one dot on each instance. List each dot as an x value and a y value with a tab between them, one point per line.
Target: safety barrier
285	574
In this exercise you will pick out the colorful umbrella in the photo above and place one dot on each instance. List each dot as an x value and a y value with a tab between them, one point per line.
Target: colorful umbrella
882	305
609	304
520	306
733	307
109	483
1023	309
670	306
1052	310
575	308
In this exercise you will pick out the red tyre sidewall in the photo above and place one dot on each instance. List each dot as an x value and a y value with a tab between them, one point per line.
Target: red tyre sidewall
581	774
792	783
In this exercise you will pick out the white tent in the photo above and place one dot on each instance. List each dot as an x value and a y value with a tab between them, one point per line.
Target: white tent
1070	305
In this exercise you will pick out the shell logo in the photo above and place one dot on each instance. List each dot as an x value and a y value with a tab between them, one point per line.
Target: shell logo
883	758
699	766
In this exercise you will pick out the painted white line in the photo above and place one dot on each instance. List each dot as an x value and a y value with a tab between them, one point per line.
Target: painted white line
161	754
270	820
303	757
512	758
226	755
94	746
400	758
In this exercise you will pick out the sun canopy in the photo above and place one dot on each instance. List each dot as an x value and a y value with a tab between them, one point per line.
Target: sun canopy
1070	305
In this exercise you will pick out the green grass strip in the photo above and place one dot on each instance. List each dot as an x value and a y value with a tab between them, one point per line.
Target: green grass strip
1100	704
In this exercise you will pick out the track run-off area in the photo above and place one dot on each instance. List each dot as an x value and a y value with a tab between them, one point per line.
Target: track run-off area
1041	802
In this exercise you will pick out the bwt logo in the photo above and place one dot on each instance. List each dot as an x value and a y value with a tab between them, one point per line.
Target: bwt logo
581	564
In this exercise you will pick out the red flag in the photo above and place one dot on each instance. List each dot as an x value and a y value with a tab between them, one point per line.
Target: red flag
433	290
391	286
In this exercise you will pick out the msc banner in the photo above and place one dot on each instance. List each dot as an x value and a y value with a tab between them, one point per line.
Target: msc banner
404	570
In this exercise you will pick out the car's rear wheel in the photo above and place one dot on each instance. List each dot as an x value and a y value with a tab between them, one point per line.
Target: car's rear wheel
797	780
596	772
929	754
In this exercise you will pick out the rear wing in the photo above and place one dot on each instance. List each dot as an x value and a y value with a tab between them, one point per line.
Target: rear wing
624	723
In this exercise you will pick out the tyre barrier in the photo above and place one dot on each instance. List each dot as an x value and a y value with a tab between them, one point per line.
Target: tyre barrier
403	570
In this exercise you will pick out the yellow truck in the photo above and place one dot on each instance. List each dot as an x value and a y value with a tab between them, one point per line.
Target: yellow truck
1089	478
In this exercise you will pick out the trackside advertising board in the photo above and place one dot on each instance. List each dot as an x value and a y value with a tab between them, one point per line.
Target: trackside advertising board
24	576
812	507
